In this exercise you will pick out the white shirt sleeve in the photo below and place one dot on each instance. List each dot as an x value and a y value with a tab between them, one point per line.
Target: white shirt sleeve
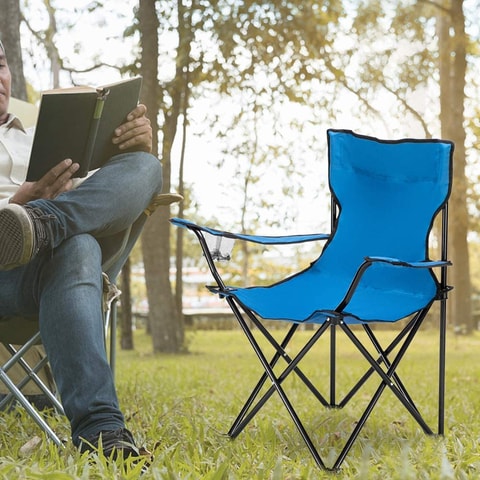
15	147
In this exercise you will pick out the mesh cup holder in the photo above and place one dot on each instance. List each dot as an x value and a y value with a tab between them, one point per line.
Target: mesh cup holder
220	248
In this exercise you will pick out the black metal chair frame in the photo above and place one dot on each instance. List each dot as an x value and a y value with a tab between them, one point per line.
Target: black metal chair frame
381	364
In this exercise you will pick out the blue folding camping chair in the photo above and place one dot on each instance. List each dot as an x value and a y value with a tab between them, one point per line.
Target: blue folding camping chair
374	268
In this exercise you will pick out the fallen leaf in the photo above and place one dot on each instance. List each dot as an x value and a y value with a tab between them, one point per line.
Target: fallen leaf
30	446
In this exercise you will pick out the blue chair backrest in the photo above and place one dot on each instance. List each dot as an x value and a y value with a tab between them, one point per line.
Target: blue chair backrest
388	194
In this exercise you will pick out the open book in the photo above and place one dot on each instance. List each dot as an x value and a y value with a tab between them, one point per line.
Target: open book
79	123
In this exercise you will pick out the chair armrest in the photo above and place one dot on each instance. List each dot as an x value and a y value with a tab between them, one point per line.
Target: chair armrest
262	239
162	199
403	263
369	261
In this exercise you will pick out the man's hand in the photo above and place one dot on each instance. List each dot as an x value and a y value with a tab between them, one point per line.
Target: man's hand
136	132
52	184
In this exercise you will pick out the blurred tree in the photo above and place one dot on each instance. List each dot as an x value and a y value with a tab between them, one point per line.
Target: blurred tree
381	59
422	63
164	319
46	37
453	68
224	47
283	50
10	19
126	317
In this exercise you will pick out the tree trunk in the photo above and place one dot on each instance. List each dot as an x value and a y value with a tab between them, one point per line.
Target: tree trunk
10	18
126	339
452	96
163	317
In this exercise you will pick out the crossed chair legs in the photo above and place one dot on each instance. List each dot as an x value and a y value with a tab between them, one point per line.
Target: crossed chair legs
381	365
31	374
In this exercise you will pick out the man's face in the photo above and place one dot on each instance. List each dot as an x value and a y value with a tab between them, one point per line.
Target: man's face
5	85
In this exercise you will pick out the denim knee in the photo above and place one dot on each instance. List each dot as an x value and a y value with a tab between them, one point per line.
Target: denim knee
147	169
152	170
79	255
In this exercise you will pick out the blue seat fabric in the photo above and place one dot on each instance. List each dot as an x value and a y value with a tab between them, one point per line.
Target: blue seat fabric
387	199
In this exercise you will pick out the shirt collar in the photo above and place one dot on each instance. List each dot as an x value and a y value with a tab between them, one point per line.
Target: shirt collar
14	122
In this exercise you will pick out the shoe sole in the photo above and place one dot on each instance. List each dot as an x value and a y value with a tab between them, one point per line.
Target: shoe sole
16	237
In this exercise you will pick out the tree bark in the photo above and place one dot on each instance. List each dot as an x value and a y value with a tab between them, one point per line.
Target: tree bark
163	316
453	65
10	18
126	339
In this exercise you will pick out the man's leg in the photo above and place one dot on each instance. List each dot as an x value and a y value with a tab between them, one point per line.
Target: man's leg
109	201
104	205
110	247
69	292
65	291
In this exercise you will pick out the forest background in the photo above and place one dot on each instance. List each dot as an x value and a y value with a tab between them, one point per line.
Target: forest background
242	93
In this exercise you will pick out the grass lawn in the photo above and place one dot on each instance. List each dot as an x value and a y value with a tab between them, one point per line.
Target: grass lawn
182	406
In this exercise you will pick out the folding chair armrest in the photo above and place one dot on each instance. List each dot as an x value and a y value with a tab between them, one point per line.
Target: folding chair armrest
369	261
262	239
162	199
403	263
283	239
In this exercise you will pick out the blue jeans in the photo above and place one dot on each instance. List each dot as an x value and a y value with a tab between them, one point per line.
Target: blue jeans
64	287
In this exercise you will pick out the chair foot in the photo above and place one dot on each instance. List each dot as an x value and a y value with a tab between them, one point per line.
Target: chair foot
333	470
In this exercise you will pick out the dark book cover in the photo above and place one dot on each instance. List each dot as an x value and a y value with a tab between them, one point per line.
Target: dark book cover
79	123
